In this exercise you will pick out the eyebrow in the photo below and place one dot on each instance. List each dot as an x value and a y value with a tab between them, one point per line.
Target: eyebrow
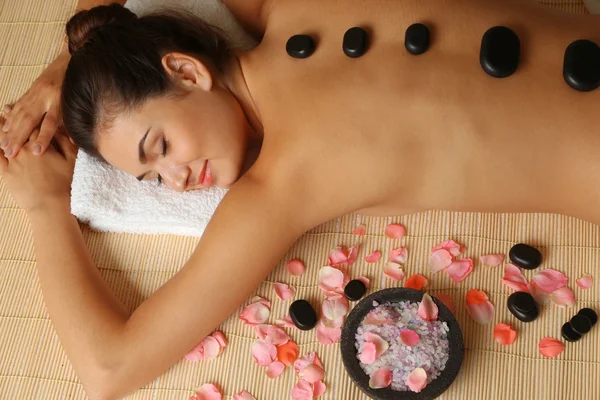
142	154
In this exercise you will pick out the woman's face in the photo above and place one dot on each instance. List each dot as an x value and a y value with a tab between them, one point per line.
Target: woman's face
191	142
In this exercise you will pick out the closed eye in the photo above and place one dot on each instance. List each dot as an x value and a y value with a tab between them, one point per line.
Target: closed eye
164	154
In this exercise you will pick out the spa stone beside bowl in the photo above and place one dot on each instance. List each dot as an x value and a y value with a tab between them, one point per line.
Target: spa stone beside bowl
349	352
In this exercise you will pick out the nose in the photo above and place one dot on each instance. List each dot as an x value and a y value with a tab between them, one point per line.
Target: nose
174	176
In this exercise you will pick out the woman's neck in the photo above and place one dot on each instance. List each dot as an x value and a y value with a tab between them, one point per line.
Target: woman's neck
234	80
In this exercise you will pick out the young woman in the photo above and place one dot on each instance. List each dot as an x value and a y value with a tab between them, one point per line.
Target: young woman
387	133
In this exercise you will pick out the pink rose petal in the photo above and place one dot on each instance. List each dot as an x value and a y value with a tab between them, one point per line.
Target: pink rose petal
409	337
492	260
395	231
504	334
381	346
550	347
450	246
208	391
338	256
514	279
327	335
394	271
302	391
417	282
306	360
550	280
479	307
360	230
399	256
312	373
380	379
286	322
460	269
319	388
353	254
428	310
540	295
330	278
284	291
585	282
335	307
257	312
276	336
263	352
220	338
368	353
447	300
211	348
417	380
563	297
296	267
275	369
440	260
373	257
364	280
243	395
375	319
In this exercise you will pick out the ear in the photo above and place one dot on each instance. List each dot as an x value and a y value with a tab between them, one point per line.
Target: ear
187	71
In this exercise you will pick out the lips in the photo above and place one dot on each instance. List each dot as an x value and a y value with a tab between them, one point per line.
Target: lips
205	177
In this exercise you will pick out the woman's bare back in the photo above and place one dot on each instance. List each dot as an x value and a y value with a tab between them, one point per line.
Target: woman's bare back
393	133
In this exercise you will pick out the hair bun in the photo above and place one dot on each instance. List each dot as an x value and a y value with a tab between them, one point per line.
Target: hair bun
82	25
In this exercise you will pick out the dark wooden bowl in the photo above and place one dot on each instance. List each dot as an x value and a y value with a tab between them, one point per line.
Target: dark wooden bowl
349	352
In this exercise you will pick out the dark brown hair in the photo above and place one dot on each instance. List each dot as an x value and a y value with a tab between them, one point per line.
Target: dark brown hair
116	64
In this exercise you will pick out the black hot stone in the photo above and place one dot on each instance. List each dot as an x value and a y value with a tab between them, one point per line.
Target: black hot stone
356	42
523	306
416	40
300	46
590	314
581	324
303	315
569	334
581	68
525	256
355	290
500	52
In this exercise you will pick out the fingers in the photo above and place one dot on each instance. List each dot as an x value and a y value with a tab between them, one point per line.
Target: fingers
3	162
47	131
20	124
67	148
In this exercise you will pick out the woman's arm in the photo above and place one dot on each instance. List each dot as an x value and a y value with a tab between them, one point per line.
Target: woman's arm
114	354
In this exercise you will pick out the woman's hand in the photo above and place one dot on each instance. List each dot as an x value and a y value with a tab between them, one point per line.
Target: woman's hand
40	181
40	104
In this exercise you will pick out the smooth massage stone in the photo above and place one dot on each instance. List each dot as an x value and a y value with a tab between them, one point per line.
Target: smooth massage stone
416	40
303	315
581	68
569	334
590	314
525	256
581	324
523	306
356	42
500	52
355	290
300	46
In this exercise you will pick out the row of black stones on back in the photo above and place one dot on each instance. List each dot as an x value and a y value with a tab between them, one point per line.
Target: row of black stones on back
303	314
499	55
356	42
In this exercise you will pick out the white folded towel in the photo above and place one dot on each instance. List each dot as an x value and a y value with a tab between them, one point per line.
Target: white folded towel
110	200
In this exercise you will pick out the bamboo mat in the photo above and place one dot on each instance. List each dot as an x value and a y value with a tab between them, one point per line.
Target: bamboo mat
34	366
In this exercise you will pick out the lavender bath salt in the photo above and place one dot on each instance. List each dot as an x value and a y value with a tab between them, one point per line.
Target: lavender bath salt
387	321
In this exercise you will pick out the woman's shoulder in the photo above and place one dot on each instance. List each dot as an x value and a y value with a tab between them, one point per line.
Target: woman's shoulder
252	14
